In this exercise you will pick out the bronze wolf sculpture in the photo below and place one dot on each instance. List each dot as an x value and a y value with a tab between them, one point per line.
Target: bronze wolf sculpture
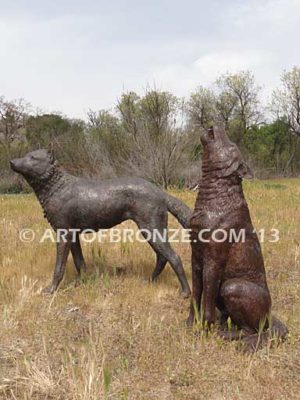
70	202
229	275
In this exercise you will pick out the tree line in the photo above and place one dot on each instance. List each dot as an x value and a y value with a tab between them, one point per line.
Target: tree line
156	135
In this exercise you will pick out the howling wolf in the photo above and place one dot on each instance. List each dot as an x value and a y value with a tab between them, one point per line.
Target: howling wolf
70	202
229	275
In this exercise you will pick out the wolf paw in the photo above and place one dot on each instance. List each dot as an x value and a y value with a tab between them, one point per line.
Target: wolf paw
48	290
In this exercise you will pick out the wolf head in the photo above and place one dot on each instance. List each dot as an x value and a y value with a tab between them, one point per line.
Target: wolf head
36	165
221	156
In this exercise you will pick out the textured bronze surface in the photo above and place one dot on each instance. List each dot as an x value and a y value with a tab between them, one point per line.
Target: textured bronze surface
70	202
228	275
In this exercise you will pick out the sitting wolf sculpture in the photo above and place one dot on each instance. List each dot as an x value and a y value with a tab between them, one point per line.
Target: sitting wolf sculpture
229	275
70	202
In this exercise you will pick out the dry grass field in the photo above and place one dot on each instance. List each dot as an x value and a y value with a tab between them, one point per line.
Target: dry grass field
115	336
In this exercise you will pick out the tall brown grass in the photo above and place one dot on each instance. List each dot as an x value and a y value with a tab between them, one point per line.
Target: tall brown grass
115	336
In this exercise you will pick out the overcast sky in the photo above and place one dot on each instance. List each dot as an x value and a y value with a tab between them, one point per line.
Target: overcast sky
75	55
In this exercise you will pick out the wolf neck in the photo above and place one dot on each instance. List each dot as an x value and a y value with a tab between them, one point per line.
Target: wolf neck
48	185
220	193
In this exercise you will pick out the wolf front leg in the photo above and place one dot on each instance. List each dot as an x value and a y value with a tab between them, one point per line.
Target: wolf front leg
211	286
197	279
77	255
62	252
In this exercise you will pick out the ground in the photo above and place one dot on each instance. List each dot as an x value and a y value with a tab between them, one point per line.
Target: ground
116	336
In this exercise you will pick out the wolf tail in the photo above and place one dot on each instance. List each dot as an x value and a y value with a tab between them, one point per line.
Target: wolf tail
180	211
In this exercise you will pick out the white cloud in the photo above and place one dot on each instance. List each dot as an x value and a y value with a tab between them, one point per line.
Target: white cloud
85	57
213	64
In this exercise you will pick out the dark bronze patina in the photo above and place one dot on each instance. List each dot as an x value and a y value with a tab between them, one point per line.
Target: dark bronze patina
70	202
228	274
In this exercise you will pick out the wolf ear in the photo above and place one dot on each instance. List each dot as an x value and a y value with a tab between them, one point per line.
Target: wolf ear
244	171
51	152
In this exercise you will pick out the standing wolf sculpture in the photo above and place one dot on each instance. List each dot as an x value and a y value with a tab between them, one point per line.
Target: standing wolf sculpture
228	274
70	202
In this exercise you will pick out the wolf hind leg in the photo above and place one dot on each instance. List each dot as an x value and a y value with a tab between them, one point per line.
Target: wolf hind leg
161	262
158	240
247	304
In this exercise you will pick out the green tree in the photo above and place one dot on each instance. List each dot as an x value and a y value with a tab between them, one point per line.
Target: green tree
201	108
41	130
267	148
238	103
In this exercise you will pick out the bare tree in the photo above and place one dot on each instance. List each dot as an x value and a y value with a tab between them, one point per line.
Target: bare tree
128	107
156	143
12	119
286	100
286	107
103	142
159	161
